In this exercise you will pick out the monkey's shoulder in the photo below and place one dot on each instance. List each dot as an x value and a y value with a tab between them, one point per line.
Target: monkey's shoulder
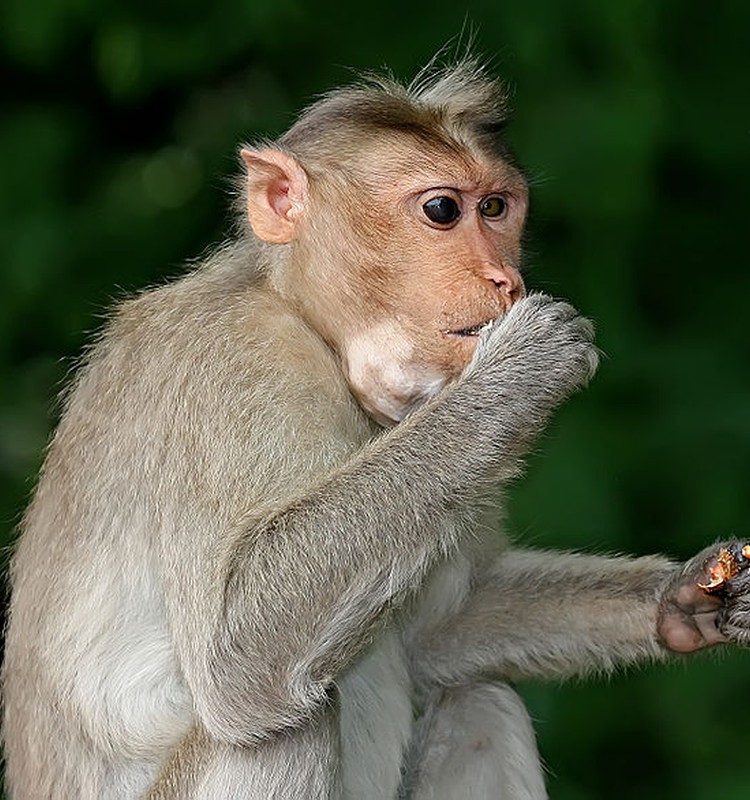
203	355
202	328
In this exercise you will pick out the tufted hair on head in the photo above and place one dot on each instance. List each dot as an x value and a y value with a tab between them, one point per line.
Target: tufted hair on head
456	104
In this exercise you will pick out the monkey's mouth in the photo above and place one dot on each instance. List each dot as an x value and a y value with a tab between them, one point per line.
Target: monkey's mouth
474	330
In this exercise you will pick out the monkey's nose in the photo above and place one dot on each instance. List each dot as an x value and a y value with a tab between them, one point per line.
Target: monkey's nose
508	281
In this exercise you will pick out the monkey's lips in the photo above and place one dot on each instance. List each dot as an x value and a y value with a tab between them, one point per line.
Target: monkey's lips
473	330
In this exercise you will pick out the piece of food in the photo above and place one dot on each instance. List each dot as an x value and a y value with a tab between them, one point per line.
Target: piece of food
727	563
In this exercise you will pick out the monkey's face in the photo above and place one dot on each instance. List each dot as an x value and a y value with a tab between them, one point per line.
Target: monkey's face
401	255
440	265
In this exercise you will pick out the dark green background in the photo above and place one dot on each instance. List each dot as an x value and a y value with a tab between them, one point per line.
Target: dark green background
120	122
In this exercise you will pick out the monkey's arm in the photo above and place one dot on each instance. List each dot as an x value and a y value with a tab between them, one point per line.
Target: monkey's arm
287	595
537	614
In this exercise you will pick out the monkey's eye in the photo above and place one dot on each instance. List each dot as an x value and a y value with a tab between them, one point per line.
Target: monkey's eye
442	210
492	206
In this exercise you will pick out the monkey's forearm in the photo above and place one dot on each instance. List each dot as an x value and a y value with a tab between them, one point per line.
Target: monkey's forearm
314	575
538	614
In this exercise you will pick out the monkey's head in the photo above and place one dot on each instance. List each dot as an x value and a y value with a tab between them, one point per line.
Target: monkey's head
396	217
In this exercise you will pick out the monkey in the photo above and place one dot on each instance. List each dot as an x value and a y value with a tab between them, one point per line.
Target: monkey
264	557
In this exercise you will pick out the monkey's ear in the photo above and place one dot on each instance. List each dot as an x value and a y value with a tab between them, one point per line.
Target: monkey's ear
276	194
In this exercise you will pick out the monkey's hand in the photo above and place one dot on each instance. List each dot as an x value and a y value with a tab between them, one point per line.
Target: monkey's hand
541	348
708	601
734	617
523	367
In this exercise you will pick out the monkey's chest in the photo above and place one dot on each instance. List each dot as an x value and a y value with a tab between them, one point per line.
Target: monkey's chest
376	720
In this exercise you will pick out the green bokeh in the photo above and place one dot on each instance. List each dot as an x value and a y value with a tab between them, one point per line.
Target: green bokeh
119	125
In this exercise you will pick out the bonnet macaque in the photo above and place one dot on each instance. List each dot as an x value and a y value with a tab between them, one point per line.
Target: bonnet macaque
262	558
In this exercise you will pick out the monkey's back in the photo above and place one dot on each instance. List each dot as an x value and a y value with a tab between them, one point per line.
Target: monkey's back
93	687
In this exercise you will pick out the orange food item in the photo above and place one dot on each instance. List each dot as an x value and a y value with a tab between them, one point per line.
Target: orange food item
728	564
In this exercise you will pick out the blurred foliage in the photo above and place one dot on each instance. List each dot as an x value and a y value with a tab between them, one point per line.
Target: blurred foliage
120	123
